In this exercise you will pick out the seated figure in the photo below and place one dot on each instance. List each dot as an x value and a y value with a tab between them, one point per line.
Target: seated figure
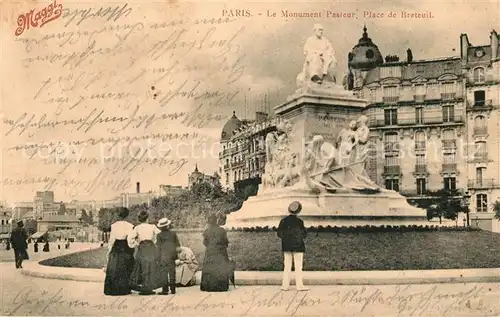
186	266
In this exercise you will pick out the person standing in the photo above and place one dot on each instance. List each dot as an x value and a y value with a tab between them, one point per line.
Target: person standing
120	256
216	266
292	233
35	247
167	243
18	239
144	275
46	246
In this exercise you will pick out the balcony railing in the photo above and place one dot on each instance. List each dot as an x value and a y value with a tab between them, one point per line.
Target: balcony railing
391	99
392	170
481	156
420	145
480	130
449	167
238	163
483	183
419	98
420	168
448	95
415	121
449	144
391	146
479	104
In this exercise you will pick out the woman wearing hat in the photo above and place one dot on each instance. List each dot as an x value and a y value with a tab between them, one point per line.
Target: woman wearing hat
120	256
167	243
144	274
292	232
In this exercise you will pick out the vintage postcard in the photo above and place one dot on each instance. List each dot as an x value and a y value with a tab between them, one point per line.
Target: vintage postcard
321	158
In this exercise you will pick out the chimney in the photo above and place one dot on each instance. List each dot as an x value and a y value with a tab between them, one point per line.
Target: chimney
494	44
409	56
464	46
138	187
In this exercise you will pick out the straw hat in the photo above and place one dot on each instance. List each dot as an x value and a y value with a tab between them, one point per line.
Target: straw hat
163	222
295	207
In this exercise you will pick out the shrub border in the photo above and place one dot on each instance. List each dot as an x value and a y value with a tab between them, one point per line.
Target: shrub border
365	229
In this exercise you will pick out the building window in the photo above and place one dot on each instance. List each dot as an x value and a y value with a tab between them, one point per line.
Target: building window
392	184
391	116
421	186
420	163
420	141
391	166
391	143
479	98
450	183
481	151
479	175
480	127
449	140
448	66
419	115
482	202
373	95
420	68
235	175
479	75
448	91
419	90
391	91
448	113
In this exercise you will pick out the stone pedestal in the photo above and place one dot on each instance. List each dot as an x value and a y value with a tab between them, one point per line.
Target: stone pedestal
324	110
339	209
320	109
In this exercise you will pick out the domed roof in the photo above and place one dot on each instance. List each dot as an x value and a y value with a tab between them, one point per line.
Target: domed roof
365	55
231	125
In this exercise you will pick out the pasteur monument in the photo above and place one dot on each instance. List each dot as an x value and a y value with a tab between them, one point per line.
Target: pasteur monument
318	156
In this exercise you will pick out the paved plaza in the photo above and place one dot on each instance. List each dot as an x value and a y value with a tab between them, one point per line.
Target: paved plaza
25	295
28	295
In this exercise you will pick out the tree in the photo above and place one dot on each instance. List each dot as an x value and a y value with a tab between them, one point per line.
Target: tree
441	204
496	209
31	226
85	218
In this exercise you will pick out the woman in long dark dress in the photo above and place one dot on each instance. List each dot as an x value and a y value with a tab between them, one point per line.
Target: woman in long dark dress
145	273
120	256
214	277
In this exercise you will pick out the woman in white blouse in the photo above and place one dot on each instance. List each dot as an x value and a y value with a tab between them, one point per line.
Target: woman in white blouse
120	256
144	274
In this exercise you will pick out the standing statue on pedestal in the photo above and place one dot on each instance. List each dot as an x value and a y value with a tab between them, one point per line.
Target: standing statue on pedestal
319	56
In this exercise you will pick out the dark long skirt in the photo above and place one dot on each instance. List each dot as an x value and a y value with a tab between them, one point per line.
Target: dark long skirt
144	275
214	275
119	269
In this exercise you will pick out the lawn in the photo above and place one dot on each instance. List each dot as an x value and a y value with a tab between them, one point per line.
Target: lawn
328	251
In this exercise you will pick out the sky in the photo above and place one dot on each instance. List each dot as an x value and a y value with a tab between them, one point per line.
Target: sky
265	54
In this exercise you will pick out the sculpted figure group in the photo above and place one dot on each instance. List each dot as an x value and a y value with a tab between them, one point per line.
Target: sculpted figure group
323	167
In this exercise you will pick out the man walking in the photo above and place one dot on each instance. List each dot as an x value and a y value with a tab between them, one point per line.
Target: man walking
18	239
